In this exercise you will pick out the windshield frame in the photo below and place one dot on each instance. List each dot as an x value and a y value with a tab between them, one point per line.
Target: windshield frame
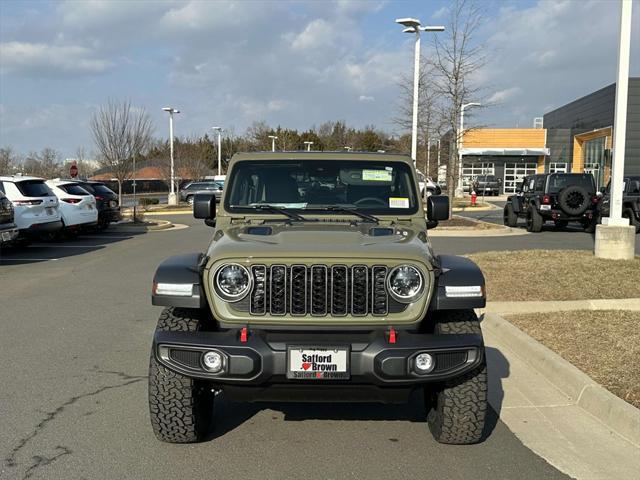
366	163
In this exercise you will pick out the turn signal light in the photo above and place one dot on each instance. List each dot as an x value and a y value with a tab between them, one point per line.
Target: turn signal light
546	199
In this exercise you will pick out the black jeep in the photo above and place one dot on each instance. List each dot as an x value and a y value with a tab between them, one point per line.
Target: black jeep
557	197
630	201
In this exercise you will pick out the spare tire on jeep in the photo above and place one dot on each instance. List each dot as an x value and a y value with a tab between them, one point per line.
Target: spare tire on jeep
574	200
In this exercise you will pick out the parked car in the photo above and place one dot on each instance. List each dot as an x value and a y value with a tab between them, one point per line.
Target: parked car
77	206
487	185
630	201
8	228
427	185
557	197
220	179
298	298
106	202
186	193
35	206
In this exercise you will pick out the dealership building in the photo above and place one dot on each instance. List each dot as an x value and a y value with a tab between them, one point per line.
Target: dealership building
576	137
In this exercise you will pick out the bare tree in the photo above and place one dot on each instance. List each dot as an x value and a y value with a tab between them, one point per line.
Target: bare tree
8	161
120	132
85	168
458	56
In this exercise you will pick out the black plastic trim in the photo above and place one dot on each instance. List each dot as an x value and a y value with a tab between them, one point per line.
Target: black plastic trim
184	268
456	271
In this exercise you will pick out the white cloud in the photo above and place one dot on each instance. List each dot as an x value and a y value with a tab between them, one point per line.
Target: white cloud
316	35
442	12
504	95
24	57
366	98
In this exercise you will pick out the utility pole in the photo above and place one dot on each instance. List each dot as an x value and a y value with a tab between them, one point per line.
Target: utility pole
219	130
615	238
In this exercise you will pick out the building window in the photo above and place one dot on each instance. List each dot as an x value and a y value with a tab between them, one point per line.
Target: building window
558	167
515	172
471	170
594	159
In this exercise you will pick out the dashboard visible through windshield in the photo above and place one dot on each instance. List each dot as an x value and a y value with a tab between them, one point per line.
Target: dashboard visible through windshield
374	187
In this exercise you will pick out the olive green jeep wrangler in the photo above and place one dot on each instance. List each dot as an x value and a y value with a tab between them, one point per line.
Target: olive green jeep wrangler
319	284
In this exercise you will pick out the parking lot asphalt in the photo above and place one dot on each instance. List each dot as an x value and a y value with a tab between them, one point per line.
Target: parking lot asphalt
76	330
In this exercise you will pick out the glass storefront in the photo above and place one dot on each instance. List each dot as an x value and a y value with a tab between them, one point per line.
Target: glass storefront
594	159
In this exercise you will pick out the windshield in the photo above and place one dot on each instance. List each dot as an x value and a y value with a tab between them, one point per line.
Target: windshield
559	181
374	187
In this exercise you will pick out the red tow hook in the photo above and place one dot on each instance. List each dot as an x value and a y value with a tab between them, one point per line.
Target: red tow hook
244	334
392	335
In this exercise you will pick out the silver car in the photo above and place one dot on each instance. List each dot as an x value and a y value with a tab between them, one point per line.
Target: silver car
187	192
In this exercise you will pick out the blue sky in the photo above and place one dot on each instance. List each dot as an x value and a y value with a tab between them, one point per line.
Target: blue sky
295	63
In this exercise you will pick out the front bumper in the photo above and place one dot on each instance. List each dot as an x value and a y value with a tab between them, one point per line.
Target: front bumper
262	359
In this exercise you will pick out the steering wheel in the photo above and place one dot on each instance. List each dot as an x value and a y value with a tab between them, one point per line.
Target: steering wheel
369	200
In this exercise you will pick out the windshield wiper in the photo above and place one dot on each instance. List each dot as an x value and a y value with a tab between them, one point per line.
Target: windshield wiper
274	209
352	211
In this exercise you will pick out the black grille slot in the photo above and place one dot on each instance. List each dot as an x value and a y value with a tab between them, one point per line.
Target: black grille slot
359	289
278	293
379	301
258	304
319	290
189	358
449	360
298	297
339	290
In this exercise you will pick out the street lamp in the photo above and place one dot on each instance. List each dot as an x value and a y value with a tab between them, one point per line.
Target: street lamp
615	238
348	149
273	142
172	200
413	26
219	130
460	191
308	144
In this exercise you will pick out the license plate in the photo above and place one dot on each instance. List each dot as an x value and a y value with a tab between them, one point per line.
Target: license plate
6	236
49	210
317	363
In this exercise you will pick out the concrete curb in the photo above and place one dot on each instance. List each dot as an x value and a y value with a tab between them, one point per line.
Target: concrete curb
615	413
510	308
471	232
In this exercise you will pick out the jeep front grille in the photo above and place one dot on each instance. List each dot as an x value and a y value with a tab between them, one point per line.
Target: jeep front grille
319	290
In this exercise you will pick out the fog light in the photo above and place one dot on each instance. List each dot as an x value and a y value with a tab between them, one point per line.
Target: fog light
424	363
213	361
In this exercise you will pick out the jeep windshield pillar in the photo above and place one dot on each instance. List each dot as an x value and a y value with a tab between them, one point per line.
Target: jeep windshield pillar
319	284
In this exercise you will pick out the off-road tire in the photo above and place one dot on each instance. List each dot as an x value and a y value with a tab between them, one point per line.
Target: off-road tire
510	218
180	408
633	221
534	220
458	408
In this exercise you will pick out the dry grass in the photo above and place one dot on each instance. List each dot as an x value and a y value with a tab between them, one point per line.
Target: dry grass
557	275
605	345
459	222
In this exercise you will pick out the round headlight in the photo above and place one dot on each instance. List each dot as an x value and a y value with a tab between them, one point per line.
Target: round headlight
405	283
233	282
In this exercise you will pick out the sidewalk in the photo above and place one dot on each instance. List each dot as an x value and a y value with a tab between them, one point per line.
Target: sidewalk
550	422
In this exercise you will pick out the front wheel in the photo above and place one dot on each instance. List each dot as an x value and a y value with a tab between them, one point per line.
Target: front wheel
180	407
510	218
457	410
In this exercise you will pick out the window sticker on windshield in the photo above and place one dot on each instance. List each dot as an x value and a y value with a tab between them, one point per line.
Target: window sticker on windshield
376	175
398	202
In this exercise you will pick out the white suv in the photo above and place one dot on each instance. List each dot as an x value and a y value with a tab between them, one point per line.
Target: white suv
35	205
77	206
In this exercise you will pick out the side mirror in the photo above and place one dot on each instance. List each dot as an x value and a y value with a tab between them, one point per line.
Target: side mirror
204	205
438	208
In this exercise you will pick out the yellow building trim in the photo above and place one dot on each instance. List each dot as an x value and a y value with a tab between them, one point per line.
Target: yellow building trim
540	167
577	165
504	138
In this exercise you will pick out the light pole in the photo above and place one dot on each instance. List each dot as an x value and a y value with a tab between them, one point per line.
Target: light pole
460	190
615	238
273	142
348	149
219	130
172	200
308	144
413	26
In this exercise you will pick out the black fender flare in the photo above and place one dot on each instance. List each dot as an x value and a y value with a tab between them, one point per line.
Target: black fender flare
457	271
181	270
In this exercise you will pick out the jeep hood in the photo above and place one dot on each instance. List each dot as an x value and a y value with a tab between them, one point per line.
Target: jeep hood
322	240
